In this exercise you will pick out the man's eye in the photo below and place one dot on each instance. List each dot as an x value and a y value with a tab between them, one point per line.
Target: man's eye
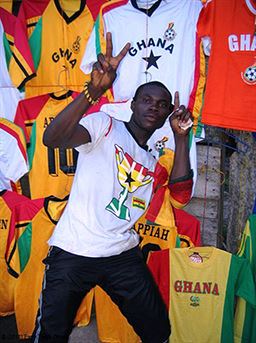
146	100
163	105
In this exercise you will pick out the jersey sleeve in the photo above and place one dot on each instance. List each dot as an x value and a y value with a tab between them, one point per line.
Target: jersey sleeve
95	45
20	63
206	20
13	154
98	125
245	286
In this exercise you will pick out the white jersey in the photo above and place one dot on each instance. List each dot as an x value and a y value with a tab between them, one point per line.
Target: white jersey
164	45
13	155
9	94
111	190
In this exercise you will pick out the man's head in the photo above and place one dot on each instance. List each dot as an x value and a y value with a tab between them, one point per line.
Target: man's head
151	105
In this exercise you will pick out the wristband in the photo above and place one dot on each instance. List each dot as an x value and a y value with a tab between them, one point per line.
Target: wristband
88	96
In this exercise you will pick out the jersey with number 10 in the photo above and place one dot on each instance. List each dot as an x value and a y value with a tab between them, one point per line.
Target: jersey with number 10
54	167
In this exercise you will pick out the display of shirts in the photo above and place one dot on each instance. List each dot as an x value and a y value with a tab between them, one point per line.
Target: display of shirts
231	80
13	154
60	54
199	286
8	200
245	317
164	47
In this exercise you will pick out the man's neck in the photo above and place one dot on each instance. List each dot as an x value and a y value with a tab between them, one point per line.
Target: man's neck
140	136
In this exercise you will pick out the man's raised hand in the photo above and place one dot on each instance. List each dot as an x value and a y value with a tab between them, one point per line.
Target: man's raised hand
104	70
180	119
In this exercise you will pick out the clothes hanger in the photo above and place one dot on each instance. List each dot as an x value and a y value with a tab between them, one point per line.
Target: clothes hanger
63	90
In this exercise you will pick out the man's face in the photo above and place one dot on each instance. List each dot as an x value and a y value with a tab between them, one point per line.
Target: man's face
151	107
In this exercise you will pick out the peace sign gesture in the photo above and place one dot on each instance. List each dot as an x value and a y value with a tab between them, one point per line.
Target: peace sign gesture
180	118
104	70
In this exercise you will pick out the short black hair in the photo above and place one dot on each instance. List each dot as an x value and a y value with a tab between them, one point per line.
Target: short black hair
152	83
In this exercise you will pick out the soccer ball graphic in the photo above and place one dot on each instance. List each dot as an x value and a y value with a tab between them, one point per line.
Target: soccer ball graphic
76	45
169	34
250	74
159	145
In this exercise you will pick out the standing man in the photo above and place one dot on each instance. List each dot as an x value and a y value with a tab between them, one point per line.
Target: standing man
93	243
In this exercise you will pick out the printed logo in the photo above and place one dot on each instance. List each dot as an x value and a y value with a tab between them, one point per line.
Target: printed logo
195	301
131	175
249	75
160	145
136	202
76	45
184	286
170	33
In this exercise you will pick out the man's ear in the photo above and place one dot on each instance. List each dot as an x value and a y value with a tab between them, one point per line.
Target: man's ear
171	108
132	105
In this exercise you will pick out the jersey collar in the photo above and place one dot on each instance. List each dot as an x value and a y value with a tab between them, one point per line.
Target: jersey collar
148	11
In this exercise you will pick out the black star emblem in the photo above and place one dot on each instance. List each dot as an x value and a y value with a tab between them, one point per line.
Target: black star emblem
129	179
151	60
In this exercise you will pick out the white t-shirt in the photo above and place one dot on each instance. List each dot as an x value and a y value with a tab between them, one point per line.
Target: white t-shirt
161	138
111	190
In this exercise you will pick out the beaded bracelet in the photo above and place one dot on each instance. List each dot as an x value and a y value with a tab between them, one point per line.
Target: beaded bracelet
88	96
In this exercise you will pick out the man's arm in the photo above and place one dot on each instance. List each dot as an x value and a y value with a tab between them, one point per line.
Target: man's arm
179	120
181	178
65	131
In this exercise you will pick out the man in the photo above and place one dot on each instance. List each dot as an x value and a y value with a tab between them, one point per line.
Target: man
93	243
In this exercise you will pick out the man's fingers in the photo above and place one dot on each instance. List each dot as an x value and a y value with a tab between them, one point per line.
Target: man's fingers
97	66
176	101
121	54
103	62
109	45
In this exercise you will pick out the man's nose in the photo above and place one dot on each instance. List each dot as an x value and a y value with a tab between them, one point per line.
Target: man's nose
154	105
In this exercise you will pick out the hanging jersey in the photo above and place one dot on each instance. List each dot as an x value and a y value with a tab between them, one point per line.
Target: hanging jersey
232	64
13	154
200	293
164	47
60	54
56	167
8	200
245	317
32	224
